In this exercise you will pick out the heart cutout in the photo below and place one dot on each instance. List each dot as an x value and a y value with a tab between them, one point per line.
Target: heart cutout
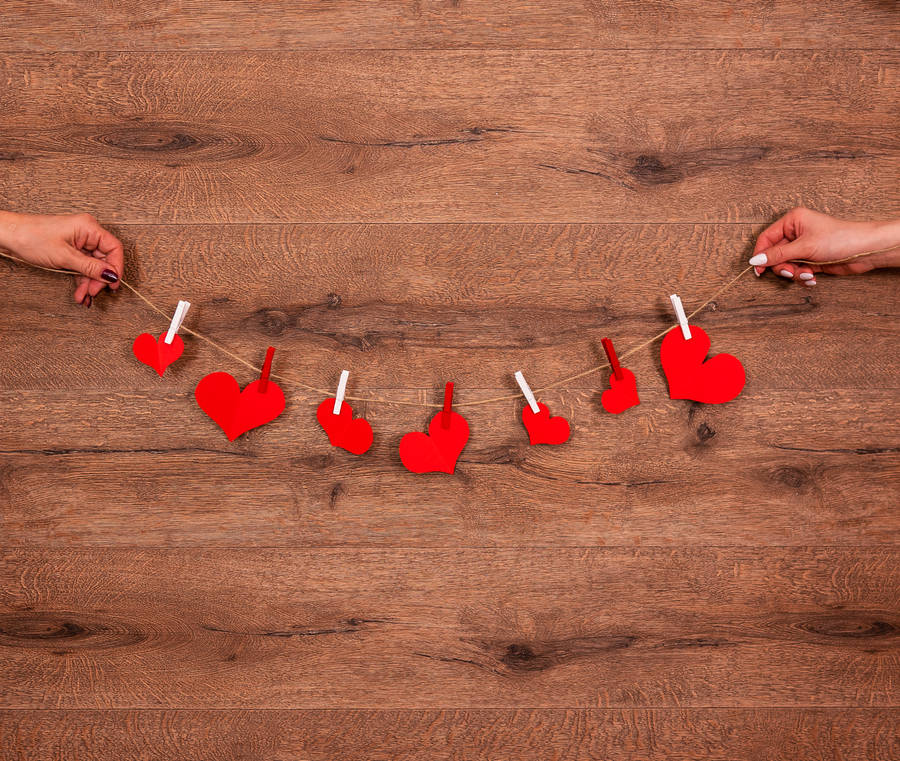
155	352
439	449
543	428
716	380
621	394
236	411
343	431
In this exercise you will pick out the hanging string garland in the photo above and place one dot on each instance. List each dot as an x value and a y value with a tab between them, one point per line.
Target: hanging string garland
683	353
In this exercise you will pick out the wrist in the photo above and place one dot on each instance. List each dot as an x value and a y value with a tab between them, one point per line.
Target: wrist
9	226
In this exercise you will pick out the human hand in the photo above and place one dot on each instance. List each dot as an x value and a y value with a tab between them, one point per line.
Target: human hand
811	236
74	242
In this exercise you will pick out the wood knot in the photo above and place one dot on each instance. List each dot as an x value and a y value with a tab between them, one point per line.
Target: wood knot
652	171
793	477
332	301
49	630
153	140
519	657
272	322
704	433
850	626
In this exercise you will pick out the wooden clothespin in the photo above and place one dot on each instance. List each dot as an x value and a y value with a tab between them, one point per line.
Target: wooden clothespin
682	319
341	390
178	318
527	392
448	405
613	359
266	369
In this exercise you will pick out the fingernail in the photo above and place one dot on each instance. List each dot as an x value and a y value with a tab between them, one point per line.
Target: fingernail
786	273
807	276
758	259
809	282
758	271
87	300
109	276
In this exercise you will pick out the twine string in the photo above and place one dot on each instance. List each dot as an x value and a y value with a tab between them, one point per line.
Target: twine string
291	378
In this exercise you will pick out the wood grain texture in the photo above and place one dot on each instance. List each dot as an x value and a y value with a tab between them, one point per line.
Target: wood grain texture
446	735
426	191
290	24
568	136
667	473
535	628
412	306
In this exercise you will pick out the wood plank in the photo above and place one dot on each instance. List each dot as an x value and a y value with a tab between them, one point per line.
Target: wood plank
570	136
401	735
795	627
219	24
144	469
411	306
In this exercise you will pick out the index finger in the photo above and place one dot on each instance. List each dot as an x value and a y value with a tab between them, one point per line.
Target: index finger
774	233
111	249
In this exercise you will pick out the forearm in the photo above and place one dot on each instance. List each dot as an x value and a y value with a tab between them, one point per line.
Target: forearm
886	239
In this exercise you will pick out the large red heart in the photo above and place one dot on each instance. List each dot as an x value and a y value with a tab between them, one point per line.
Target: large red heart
621	394
437	451
719	379
156	352
236	411
343	431
542	428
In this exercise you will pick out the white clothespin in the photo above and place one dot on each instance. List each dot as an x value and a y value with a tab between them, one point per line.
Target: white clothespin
526	389
342	389
178	318
682	319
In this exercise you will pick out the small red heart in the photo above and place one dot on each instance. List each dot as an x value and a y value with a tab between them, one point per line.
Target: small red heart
156	352
343	431
542	428
621	394
719	379
437	451
236	411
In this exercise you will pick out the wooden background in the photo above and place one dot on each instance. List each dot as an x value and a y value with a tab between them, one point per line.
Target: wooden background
429	191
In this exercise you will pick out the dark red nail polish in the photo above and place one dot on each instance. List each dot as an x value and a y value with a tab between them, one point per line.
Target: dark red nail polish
87	301
109	276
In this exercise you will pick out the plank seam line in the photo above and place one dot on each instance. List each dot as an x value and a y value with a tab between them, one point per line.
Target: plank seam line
444	223
377	548
470	709
825	48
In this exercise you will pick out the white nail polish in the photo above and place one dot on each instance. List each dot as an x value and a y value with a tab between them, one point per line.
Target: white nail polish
807	276
757	272
758	260
809	282
786	273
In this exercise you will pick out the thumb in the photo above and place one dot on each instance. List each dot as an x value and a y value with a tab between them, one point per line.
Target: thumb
781	252
89	266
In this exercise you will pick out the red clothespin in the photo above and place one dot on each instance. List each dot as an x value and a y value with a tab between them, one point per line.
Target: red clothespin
613	359
266	369
448	405
622	392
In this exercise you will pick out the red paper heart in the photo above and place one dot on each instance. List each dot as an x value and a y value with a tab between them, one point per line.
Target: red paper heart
343	431
156	352
542	428
439	450
236	411
719	379
621	394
